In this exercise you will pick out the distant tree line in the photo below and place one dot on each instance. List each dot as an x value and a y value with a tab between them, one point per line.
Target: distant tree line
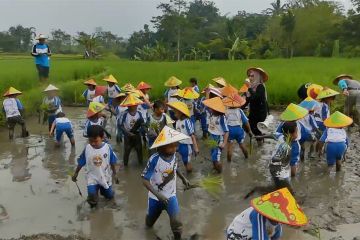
197	30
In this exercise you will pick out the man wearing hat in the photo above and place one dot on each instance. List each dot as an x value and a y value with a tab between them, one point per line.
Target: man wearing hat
42	53
351	89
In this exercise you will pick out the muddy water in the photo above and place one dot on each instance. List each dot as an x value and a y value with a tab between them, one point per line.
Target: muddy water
39	197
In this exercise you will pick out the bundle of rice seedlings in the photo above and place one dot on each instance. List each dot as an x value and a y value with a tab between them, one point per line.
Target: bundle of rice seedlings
211	143
211	184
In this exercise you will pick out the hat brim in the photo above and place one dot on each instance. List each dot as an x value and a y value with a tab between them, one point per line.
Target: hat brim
215	104
338	78
183	111
261	71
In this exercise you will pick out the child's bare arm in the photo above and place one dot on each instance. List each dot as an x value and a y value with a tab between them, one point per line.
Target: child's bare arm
52	128
248	129
148	186
77	170
183	178
226	137
196	147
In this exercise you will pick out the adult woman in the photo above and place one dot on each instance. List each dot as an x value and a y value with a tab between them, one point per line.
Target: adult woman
257	99
42	53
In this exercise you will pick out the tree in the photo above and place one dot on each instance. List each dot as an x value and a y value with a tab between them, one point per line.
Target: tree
288	24
22	36
89	42
60	41
276	8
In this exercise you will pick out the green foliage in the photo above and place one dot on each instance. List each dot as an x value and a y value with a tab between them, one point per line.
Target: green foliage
212	184
336	49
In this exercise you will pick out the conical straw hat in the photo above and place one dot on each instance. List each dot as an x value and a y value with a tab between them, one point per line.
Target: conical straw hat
131	100
261	71
122	94
338	120
341	76
215	104
12	91
327	92
51	88
173	82
228	90
293	112
90	82
168	136
280	206
220	80
110	78
94	108
180	106
128	87
313	90
234	100
143	86
309	103
187	93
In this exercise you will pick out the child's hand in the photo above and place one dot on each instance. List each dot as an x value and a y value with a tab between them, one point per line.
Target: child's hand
163	199
251	134
74	177
186	183
196	151
222	146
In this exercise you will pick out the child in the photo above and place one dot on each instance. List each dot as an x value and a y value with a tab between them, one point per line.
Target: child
62	125
159	177
185	126
236	120
99	94
131	125
144	108
119	111
335	138
100	160
173	84
51	103
157	121
218	129
293	113
263	220
188	96
94	116
89	93
310	127
322	112
194	84
220	82
112	89
13	110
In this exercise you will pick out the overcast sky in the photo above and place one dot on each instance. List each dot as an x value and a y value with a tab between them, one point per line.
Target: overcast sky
119	16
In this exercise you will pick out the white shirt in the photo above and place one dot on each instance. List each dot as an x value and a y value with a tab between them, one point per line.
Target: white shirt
217	125
235	117
11	108
90	94
144	110
113	91
162	175
62	120
186	127
334	135
129	120
99	99
169	93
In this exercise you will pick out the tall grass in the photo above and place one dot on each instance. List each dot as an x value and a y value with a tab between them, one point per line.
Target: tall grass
286	75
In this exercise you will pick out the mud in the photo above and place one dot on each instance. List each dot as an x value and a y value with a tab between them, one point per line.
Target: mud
38	196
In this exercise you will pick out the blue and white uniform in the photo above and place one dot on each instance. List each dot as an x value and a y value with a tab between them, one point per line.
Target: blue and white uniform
98	163
202	114
322	112
63	125
40	52
336	144
235	120
308	127
53	107
161	173
128	120
217	129
89	95
185	147
168	96
155	126
295	144
144	110
251	225
119	113
99	99
190	103
12	107
196	88
100	122
112	92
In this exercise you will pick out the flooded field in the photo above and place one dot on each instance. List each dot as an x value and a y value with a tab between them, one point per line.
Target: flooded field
38	196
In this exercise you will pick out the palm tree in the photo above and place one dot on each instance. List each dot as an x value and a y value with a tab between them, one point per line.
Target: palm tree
276	8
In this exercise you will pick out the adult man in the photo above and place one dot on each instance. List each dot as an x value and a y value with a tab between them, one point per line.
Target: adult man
41	52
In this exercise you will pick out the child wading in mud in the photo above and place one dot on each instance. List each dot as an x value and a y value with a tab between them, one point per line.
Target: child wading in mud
100	160
62	125
159	177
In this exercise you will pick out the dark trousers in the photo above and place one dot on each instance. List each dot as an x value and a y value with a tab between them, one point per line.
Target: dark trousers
129	144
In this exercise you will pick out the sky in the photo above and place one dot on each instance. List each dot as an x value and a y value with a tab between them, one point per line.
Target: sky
121	17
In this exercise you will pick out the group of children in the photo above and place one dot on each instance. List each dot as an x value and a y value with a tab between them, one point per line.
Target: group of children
168	127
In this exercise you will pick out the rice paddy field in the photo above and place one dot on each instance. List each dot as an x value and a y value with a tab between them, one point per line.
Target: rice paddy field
68	73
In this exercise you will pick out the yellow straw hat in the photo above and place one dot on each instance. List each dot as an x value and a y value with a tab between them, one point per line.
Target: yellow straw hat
187	93
215	104
173	82
110	78
131	100
326	93
94	108
168	136
12	91
293	112
338	120
90	82
128	87
180	106
51	88
261	71
280	206
221	81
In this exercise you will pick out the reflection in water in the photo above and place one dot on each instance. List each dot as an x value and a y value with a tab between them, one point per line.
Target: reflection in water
19	164
57	162
102	225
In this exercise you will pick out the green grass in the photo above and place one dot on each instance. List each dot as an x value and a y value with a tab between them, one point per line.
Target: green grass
68	72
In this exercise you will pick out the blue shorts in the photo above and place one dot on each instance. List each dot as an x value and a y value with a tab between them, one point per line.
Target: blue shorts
94	189
335	152
64	128
51	119
203	121
110	101
185	151
236	133
305	137
193	120
321	126
155	207
216	151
